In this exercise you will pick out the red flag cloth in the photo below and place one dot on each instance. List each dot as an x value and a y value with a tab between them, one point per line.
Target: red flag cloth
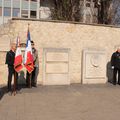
18	58
28	58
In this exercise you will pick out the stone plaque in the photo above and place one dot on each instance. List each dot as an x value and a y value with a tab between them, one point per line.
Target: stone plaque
56	66
52	56
94	66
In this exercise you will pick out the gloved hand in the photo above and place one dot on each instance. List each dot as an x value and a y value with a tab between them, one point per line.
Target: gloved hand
112	67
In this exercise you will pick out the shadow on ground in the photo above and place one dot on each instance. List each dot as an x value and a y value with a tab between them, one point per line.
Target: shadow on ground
21	85
3	91
109	72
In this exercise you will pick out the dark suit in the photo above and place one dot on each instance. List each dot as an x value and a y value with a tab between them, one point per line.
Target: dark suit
10	56
115	62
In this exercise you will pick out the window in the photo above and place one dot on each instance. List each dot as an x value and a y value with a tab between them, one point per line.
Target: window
33	14
7	11
25	13
16	12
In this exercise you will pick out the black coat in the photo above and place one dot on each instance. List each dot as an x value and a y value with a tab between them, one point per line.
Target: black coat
10	56
115	60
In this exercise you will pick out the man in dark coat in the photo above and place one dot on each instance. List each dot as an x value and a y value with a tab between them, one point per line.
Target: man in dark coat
10	56
115	63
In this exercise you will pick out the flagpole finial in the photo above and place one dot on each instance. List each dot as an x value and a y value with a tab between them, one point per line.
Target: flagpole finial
28	24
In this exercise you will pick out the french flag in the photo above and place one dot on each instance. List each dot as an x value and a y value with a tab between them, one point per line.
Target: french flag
28	58
18	57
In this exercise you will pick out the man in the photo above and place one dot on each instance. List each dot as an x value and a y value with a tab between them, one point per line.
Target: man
10	56
36	67
115	63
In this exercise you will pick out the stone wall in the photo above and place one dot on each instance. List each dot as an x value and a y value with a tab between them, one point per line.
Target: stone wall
76	37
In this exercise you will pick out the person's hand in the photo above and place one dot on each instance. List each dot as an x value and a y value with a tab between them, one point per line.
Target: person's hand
112	67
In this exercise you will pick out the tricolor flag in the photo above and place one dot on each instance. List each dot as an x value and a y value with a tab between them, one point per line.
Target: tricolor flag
28	58
18	57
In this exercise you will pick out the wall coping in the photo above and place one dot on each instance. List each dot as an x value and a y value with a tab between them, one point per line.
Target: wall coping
67	22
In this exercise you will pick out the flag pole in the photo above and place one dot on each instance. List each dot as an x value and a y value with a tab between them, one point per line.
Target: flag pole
14	83
15	75
30	79
28	25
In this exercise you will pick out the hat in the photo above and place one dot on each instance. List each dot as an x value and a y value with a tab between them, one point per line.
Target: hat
32	42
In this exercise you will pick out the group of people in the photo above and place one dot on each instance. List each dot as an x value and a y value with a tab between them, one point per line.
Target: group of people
10	57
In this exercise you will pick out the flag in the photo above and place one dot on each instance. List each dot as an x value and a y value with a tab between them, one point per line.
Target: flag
18	57
28	58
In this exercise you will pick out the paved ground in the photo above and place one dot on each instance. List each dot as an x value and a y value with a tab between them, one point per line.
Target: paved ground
74	102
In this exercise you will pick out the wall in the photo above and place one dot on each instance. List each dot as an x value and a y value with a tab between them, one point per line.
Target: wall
67	35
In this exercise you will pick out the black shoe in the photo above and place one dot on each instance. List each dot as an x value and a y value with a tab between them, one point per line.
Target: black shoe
34	85
27	85
114	83
118	83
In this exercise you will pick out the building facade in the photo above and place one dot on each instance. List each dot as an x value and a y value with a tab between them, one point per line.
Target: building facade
24	9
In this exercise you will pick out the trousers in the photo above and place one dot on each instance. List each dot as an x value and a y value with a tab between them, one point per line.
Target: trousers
34	75
115	72
12	72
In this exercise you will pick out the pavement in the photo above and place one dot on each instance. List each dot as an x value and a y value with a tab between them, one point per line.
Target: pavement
74	102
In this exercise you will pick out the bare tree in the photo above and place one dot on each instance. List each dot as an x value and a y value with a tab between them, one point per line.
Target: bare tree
67	10
104	11
115	12
77	10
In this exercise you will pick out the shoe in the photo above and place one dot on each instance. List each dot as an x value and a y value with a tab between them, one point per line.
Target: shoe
34	85
114	83
10	93
27	85
18	92
118	83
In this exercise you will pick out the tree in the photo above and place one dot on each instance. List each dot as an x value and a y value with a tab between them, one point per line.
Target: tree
115	12
73	10
104	11
67	10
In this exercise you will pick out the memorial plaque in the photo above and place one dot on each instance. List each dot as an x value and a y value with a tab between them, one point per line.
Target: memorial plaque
52	56
94	66
56	66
